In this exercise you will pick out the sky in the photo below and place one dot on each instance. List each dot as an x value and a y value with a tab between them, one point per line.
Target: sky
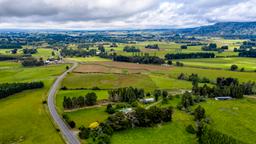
122	14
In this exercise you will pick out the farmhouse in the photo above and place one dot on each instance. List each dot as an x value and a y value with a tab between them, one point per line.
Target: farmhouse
223	98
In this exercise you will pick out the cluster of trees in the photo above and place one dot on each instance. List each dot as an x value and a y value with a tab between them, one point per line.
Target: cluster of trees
193	77
140	117
189	55
131	49
30	61
79	53
154	46
140	59
247	45
28	51
101	48
77	102
113	45
210	47
187	100
7	89
128	94
225	87
163	93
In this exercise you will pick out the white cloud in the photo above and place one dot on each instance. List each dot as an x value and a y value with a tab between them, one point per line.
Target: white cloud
102	14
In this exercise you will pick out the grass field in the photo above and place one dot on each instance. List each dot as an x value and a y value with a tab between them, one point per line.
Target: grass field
88	59
108	81
23	117
213	74
87	116
222	63
44	53
235	118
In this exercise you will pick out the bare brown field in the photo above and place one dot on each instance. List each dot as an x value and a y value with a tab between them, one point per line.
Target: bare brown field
118	67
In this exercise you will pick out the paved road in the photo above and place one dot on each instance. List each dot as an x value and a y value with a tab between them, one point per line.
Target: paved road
66	132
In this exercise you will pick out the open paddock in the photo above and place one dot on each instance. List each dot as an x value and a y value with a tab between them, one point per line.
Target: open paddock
118	67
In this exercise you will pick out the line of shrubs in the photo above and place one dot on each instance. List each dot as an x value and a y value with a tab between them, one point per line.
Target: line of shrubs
77	102
140	117
8	57
189	55
140	59
7	89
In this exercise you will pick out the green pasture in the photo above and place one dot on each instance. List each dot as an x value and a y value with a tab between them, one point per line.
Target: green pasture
249	64
23	117
234	117
108	81
88	115
88	59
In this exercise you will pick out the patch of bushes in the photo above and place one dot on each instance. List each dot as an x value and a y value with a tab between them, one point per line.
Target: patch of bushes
71	123
193	77
189	55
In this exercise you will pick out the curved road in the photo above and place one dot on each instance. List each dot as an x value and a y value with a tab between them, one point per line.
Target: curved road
66	132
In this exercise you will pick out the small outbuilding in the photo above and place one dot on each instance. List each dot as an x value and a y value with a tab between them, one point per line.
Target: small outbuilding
147	100
223	98
126	110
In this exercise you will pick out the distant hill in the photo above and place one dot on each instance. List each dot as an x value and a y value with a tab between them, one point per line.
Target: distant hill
224	28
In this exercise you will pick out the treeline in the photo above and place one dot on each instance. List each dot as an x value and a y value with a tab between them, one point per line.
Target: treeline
77	102
131	49
225	87
8	57
7	89
251	53
128	94
78	53
30	61
140	117
10	46
189	55
154	46
139	59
